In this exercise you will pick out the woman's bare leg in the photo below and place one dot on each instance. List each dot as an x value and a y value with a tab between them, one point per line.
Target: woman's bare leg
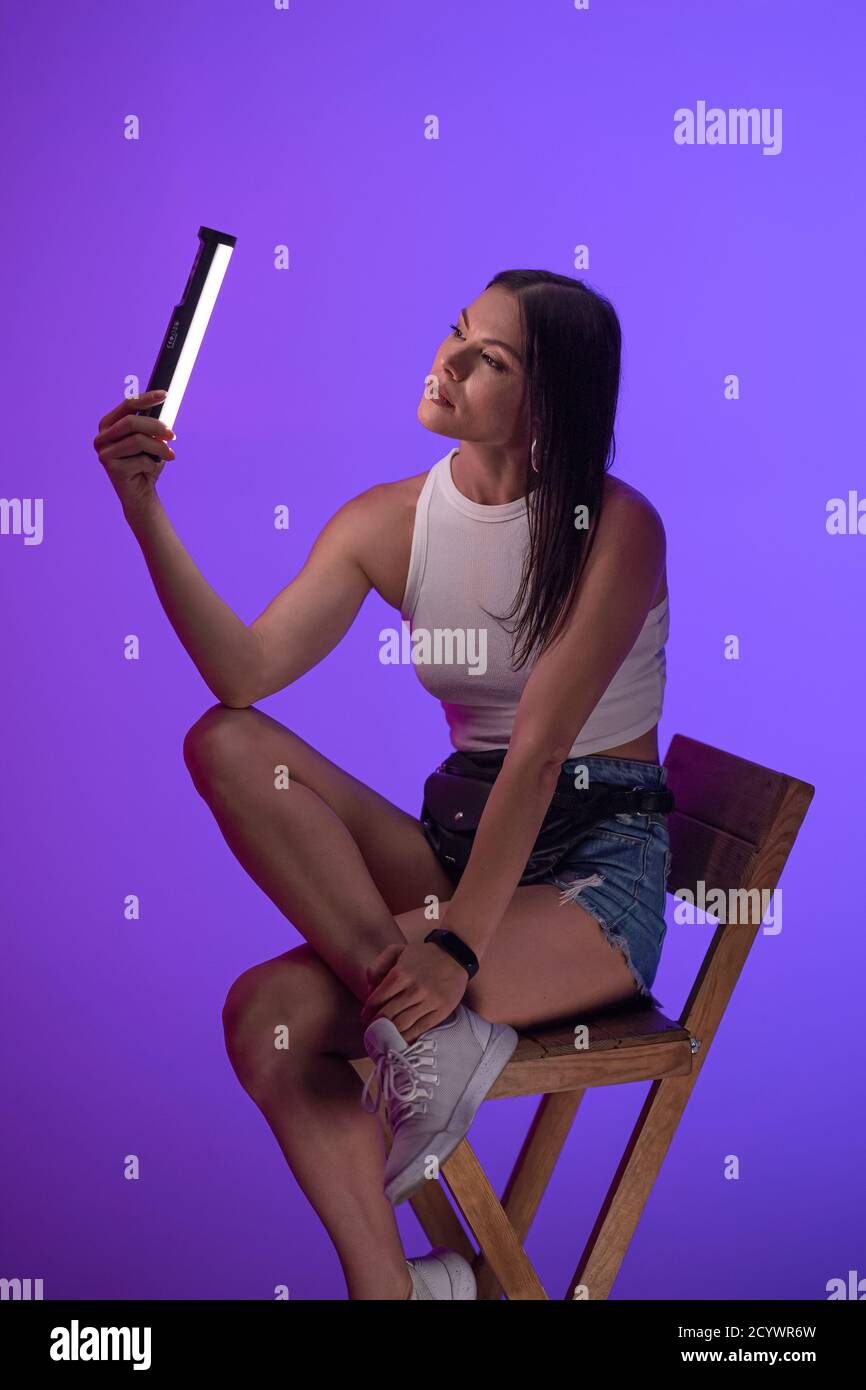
309	1095
335	857
304	849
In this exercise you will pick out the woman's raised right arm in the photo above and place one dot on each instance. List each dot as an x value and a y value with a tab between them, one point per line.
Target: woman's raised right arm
225	651
240	664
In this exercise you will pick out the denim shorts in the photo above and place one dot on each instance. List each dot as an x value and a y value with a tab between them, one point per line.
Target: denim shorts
618	870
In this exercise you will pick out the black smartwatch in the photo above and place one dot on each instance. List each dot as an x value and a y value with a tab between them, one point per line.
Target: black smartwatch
450	942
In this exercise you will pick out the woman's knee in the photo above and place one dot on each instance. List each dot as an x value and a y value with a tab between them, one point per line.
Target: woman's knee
217	741
276	1013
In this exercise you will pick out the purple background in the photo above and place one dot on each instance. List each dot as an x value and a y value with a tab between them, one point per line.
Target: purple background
306	127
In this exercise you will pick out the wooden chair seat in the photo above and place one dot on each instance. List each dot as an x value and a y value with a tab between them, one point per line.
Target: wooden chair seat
635	1043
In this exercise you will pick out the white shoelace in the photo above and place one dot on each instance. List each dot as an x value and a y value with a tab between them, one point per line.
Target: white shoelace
400	1075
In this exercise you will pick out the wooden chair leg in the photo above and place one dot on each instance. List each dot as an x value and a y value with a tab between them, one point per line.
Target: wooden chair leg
489	1224
506	1266
632	1183
439	1220
531	1173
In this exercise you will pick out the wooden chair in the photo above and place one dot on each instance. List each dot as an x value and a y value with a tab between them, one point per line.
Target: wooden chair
734	827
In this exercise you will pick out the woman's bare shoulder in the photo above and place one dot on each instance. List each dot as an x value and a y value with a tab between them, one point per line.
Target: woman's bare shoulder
619	490
383	517
393	496
618	487
387	504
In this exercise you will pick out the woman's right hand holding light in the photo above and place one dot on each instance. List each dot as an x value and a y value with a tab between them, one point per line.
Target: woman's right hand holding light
122	446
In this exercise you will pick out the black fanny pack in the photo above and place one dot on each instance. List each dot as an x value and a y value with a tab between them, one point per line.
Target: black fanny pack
456	793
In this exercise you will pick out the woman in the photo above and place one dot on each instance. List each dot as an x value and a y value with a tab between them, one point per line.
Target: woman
519	534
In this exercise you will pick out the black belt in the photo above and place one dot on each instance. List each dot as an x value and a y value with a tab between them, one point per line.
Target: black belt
623	799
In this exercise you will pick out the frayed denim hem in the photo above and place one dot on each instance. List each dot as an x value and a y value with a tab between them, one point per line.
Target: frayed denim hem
613	937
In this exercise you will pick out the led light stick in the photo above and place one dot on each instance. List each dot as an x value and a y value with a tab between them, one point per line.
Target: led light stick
187	324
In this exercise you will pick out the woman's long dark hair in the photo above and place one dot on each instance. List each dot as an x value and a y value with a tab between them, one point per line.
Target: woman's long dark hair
573	343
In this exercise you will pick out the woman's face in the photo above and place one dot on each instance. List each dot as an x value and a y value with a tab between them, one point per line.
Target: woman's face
479	370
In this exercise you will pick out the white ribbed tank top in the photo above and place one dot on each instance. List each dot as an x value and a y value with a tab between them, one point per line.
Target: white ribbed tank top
465	554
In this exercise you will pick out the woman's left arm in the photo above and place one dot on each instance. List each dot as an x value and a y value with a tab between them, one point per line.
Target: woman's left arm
568	680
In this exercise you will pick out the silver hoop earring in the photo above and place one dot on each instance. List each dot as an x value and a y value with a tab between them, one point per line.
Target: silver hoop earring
532	459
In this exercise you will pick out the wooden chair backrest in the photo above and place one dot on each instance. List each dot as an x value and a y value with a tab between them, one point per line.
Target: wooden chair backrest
733	828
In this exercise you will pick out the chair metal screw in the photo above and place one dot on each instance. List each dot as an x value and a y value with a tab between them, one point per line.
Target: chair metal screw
694	1044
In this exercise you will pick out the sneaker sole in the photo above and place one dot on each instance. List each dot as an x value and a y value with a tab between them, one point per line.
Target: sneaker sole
460	1273
442	1145
463	1284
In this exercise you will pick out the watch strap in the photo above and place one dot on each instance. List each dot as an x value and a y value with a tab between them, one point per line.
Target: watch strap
450	942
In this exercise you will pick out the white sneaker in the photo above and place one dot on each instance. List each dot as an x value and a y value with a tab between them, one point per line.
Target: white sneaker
459	1060
441	1274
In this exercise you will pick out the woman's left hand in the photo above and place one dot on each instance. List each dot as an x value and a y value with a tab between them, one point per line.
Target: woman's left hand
416	985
